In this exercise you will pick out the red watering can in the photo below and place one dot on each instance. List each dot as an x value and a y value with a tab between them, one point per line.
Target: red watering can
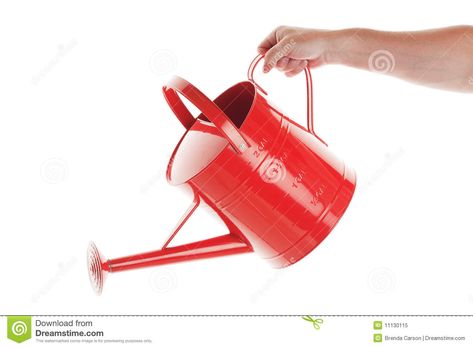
274	184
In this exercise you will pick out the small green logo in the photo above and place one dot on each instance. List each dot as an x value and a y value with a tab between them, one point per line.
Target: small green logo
377	325
378	338
315	322
19	328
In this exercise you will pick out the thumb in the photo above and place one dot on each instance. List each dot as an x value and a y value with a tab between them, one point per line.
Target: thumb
275	53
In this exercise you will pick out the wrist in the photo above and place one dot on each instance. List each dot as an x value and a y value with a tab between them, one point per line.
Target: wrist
340	44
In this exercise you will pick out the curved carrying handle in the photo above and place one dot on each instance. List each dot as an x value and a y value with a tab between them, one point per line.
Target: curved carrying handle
310	103
206	106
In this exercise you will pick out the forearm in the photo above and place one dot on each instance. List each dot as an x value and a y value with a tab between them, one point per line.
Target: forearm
441	58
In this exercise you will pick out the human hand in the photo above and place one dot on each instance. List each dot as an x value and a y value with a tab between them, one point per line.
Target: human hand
439	58
292	49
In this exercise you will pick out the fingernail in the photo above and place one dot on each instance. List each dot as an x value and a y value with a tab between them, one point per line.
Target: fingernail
266	68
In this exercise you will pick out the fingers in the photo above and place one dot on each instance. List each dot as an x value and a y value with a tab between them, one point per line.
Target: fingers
268	42
277	48
274	55
286	64
297	69
291	65
282	63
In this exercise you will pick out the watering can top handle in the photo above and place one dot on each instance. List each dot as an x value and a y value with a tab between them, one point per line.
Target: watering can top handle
206	106
308	77
218	116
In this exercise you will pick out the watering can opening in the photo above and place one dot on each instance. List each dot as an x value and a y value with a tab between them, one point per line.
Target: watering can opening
203	142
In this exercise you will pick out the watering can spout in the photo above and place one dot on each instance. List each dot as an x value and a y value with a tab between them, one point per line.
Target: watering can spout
228	244
219	246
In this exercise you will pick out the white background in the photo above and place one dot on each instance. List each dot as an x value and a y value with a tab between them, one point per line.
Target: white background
85	136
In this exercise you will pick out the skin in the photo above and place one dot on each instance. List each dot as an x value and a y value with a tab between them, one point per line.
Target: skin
439	58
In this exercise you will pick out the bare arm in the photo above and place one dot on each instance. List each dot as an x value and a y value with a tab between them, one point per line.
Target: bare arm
440	58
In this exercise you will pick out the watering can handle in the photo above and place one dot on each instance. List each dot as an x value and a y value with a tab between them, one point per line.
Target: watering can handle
310	93
206	106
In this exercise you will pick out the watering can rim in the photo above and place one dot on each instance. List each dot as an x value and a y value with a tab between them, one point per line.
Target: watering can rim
199	119
212	112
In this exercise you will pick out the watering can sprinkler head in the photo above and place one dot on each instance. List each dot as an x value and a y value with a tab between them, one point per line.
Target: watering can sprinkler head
97	268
